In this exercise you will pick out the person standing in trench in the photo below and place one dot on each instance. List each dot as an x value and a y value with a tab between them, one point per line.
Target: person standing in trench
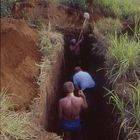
69	112
83	81
75	51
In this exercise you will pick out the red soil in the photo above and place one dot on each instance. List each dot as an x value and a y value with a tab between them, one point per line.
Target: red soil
19	45
56	14
19	54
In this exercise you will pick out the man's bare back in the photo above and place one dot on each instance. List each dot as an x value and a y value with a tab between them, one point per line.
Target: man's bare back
69	111
71	107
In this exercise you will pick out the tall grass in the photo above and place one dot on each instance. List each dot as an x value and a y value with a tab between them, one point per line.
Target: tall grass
129	113
136	105
136	29
117	102
123	58
120	8
6	6
50	43
19	125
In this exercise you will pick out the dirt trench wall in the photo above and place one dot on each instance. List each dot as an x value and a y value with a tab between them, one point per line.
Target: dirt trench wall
45	108
19	56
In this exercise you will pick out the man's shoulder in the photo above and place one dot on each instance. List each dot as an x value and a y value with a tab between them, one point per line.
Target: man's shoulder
78	73
78	98
62	100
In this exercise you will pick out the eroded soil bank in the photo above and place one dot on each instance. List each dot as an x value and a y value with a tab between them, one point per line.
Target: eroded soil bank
19	56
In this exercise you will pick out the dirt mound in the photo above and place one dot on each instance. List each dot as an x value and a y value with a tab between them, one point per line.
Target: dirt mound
56	14
19	54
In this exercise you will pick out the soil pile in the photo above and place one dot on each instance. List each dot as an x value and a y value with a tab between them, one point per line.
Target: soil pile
19	55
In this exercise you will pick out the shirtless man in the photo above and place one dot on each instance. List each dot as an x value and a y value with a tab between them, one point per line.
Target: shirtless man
75	46
75	51
69	111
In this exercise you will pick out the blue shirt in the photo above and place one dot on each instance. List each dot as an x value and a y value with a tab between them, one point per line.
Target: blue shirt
83	80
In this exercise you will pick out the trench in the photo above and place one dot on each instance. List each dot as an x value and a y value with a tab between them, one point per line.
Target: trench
101	123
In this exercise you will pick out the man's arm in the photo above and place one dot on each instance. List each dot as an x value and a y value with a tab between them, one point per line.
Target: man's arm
75	83
81	94
60	110
81	40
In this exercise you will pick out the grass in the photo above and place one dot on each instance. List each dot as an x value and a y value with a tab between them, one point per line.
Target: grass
136	29
6	6
120	8
14	125
81	4
107	26
136	105
34	21
19	125
117	102
129	113
50	43
123	58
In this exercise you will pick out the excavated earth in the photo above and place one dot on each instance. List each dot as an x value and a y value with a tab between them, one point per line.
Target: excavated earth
19	45
19	56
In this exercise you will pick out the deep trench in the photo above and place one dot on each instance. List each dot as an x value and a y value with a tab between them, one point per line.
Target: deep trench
101	122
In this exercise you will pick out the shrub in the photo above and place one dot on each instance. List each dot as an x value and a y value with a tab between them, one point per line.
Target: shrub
123	58
6	6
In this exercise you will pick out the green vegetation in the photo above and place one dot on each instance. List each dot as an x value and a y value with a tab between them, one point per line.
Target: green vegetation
50	43
108	26
50	40
120	8
117	102
123	57
136	105
14	125
122	61
129	114
73	3
33	21
136	29
6	6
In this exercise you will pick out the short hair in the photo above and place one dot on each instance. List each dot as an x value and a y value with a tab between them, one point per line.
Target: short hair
77	69
73	41
68	87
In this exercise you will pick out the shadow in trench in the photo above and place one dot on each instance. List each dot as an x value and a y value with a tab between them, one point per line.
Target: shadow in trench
99	121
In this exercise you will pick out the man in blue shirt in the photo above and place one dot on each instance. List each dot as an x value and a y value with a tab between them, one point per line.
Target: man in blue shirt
83	81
